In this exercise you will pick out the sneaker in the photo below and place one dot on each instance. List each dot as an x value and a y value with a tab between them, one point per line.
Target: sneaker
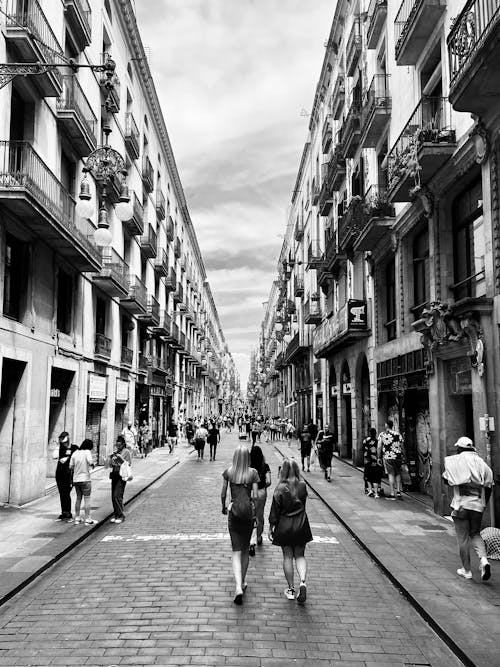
485	571
399	495
370	494
251	550
376	496
78	519
464	573
290	593
118	520
301	597
113	519
91	522
60	518
391	497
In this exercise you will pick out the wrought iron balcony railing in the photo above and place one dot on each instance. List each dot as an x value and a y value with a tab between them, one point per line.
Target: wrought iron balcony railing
74	101
147	174
102	346
132	135
127	356
79	17
414	24
377	12
376	110
353	48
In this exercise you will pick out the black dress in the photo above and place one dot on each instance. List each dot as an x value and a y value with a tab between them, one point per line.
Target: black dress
289	518
240	531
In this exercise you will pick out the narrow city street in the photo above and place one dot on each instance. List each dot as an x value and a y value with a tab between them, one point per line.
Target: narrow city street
158	589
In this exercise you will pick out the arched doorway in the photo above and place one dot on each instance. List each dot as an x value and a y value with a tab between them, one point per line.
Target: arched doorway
333	404
346	412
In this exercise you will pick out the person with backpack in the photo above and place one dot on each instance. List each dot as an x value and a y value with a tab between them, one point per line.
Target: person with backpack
258	462
80	464
390	452
200	440
243	482
289	526
305	439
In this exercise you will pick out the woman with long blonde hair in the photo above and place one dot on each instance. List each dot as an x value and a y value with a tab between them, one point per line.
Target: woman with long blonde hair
289	526
243	482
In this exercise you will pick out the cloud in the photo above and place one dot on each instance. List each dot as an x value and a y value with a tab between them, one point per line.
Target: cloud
232	77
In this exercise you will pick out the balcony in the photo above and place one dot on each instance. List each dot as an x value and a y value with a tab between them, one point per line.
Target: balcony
157	365
28	32
278	362
148	174
353	48
425	144
75	116
338	97
31	192
163	328
177	247
294	350
326	136
376	111
333	259
149	243
178	295
474	53
325	199
175	337
136	300
350	131
132	136
171	280
182	343
350	224
315	190
160	205
127	356
377	13
312	312
299	230
143	362
414	24
314	255
114	275
79	19
110	87
378	219
170	229
152	315
102	346
346	326
298	288
324	276
135	226
161	263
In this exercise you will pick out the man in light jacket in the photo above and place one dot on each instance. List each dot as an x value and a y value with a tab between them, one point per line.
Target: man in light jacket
471	480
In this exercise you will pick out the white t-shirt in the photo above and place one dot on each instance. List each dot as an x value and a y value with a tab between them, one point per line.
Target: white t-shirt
81	462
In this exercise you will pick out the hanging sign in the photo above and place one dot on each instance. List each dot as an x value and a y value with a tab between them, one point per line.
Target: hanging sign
97	391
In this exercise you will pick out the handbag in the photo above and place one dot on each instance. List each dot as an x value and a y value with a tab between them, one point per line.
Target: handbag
405	474
126	472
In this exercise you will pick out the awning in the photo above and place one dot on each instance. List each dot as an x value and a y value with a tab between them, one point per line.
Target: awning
290	405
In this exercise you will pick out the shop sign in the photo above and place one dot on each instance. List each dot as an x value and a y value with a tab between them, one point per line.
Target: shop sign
346	388
460	377
157	391
97	391
351	317
334	391
55	393
121	391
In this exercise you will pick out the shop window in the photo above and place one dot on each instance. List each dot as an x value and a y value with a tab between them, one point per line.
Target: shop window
420	251
468	244
15	277
64	302
390	300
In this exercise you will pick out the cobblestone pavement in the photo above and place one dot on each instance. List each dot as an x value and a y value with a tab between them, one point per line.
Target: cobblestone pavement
158	589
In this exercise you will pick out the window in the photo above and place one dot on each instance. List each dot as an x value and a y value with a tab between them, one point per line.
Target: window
64	301
420	251
100	316
390	300
15	277
468	243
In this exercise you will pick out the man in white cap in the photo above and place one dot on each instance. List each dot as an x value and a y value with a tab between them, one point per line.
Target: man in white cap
471	480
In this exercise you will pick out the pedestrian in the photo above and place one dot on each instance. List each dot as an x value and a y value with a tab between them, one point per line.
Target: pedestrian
243	482
390	452
289	431
324	446
255	431
172	436
289	526
189	431
373	469
213	439
200	440
258	462
130	435
63	475
115	461
471	480
145	438
80	463
305	447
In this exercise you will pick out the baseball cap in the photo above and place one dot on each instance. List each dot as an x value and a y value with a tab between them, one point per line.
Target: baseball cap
464	443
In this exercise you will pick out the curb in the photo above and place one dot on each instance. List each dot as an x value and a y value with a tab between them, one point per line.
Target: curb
438	629
8	596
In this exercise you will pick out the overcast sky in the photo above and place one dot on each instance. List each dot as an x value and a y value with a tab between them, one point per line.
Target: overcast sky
233	77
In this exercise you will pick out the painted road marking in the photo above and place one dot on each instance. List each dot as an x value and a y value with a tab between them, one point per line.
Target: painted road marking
193	537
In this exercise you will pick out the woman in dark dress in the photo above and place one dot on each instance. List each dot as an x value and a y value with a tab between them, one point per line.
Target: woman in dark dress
289	526
243	482
258	462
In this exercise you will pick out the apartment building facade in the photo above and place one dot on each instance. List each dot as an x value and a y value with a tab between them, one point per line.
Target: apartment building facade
396	219
92	337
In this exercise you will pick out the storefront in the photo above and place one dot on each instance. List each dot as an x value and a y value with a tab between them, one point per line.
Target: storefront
157	402
121	406
96	398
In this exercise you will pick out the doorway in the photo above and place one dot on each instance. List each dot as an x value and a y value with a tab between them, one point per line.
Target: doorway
346	417
60	411
12	401
93	429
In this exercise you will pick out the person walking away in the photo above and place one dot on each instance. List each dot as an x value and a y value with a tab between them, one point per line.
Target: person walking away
471	480
305	447
189	431
119	456
258	462
289	431
146	438
324	445
373	470
289	526
390	453
130	435
63	475
213	439
243	483
200	440
172	436
80	463
255	431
